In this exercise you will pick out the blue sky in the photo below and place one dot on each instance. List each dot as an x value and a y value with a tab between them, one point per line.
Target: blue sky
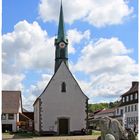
103	45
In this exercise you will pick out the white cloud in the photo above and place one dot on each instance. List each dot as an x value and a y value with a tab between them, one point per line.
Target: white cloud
109	67
12	82
96	12
106	55
75	37
38	88
35	90
28	46
28	102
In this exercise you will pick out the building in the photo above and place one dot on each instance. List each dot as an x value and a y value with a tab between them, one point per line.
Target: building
11	107
104	113
127	111
62	107
13	118
99	114
26	121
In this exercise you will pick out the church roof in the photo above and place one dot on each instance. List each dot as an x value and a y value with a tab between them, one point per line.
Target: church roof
11	101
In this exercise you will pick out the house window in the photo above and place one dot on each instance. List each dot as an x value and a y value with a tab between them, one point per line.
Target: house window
135	107
127	98
128	120
131	107
3	116
11	116
136	96
121	112
63	87
126	109
136	119
131	97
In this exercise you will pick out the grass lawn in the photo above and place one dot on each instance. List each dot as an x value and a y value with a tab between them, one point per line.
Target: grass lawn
24	134
18	135
7	136
96	133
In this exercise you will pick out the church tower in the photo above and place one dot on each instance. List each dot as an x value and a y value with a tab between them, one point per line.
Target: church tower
61	43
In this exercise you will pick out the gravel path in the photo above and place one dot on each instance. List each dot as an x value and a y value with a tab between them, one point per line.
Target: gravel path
10	137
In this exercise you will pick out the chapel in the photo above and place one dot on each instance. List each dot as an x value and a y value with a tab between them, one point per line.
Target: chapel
62	108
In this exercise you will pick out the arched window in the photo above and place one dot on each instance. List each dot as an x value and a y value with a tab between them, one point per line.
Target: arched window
63	87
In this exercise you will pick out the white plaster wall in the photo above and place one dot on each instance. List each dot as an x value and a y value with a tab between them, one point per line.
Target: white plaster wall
13	122
131	114
20	106
70	104
128	114
36	116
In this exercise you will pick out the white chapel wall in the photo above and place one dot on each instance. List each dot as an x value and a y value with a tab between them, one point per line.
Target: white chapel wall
36	116
70	104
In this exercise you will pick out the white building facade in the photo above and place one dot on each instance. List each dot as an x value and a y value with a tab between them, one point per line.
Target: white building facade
127	111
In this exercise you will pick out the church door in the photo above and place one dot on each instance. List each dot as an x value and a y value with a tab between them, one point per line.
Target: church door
63	126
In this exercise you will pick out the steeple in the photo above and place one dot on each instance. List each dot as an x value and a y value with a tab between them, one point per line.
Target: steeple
61	43
61	30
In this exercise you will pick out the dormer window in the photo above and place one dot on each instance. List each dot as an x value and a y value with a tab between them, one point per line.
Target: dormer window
127	98
131	97
63	87
136	96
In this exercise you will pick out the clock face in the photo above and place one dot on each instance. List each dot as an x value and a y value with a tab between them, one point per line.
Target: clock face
62	45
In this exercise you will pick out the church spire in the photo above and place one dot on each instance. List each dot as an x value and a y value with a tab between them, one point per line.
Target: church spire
61	30
61	43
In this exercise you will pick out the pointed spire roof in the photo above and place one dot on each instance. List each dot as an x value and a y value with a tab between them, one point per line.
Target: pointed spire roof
61	30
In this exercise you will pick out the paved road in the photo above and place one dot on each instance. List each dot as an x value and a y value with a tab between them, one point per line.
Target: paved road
10	137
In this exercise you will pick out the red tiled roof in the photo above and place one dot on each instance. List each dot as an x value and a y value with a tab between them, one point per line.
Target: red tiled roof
11	101
133	89
105	111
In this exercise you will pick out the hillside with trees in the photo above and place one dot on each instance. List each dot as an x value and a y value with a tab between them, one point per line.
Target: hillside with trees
99	106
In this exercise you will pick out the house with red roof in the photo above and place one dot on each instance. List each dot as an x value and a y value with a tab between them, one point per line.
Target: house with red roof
11	107
104	113
13	118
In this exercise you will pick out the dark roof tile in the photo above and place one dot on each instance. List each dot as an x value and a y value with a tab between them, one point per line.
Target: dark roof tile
133	89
